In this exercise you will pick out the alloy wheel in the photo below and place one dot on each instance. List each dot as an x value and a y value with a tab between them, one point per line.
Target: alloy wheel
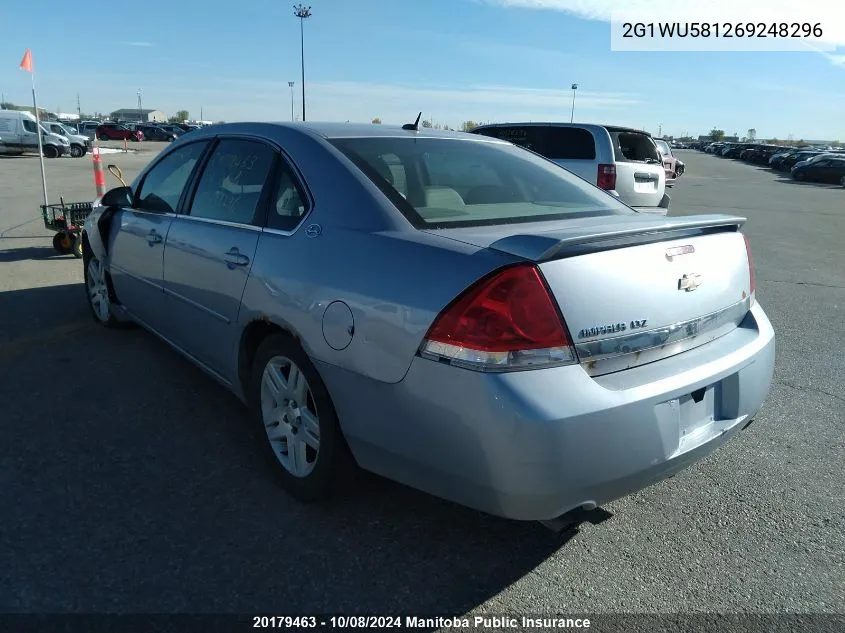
290	416
98	292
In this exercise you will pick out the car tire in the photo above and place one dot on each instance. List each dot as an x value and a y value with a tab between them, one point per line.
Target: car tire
76	151
50	152
842	181
799	175
76	248
103	137
99	292
62	243
299	427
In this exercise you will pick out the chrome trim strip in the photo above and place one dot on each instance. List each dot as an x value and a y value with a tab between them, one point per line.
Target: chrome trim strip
280	231
637	348
234	225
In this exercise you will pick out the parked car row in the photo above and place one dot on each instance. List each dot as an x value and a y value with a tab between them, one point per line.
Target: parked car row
131	131
810	163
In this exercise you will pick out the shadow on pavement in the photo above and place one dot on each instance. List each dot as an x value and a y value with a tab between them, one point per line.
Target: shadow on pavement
787	180
131	482
34	252
35	313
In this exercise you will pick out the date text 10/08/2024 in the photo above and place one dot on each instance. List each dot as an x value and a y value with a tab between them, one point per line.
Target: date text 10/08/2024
415	622
782	30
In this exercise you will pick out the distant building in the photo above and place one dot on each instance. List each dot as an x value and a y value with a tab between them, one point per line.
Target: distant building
134	114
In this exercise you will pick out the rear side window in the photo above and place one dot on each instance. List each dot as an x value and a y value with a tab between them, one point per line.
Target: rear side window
634	146
556	143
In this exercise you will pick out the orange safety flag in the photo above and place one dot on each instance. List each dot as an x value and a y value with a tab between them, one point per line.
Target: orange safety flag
26	62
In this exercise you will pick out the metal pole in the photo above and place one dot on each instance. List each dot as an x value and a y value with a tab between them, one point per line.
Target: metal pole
290	85
302	12
302	45
40	147
572	116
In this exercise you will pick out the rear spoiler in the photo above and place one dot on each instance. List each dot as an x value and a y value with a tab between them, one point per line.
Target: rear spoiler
562	243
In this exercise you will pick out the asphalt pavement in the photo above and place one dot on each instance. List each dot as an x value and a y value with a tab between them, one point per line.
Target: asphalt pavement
130	482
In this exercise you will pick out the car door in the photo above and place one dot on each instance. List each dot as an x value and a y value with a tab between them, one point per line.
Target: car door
137	235
29	136
210	247
827	171
837	171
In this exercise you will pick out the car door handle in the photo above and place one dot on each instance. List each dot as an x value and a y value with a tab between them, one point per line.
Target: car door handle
153	237
235	258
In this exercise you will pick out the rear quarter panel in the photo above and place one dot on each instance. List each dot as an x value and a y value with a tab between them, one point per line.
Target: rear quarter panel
393	284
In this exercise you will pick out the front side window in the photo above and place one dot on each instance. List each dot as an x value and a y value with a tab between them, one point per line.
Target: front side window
29	126
163	185
232	182
455	183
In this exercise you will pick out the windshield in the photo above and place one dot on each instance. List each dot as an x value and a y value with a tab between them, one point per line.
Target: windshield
67	130
443	183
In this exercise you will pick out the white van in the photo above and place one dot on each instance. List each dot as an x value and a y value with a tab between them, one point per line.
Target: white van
19	130
622	161
79	144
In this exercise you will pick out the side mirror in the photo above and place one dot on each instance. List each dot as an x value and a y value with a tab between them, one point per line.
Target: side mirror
117	197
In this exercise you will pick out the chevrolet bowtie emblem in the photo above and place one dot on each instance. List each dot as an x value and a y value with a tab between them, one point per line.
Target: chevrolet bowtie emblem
689	282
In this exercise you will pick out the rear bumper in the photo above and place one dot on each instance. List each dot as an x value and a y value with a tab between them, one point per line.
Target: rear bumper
533	445
661	209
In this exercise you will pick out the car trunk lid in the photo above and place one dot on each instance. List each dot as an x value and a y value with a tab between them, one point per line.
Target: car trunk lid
634	290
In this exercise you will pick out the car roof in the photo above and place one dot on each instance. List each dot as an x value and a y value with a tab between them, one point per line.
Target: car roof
352	130
589	126
328	130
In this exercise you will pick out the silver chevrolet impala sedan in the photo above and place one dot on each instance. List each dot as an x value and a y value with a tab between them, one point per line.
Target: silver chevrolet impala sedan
447	310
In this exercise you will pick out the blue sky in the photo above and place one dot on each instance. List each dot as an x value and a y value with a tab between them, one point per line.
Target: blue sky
483	60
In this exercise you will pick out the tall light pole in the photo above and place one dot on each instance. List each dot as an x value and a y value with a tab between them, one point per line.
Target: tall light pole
290	84
572	116
139	105
302	12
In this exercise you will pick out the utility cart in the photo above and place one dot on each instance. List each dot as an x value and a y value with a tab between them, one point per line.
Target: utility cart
66	219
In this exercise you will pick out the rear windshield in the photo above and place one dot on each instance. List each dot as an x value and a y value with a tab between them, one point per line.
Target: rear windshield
634	146
557	143
663	146
445	183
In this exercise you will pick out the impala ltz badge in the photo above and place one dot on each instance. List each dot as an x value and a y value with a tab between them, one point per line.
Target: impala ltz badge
612	328
689	282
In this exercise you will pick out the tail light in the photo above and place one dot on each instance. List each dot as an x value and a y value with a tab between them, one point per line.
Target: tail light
751	276
506	321
607	177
